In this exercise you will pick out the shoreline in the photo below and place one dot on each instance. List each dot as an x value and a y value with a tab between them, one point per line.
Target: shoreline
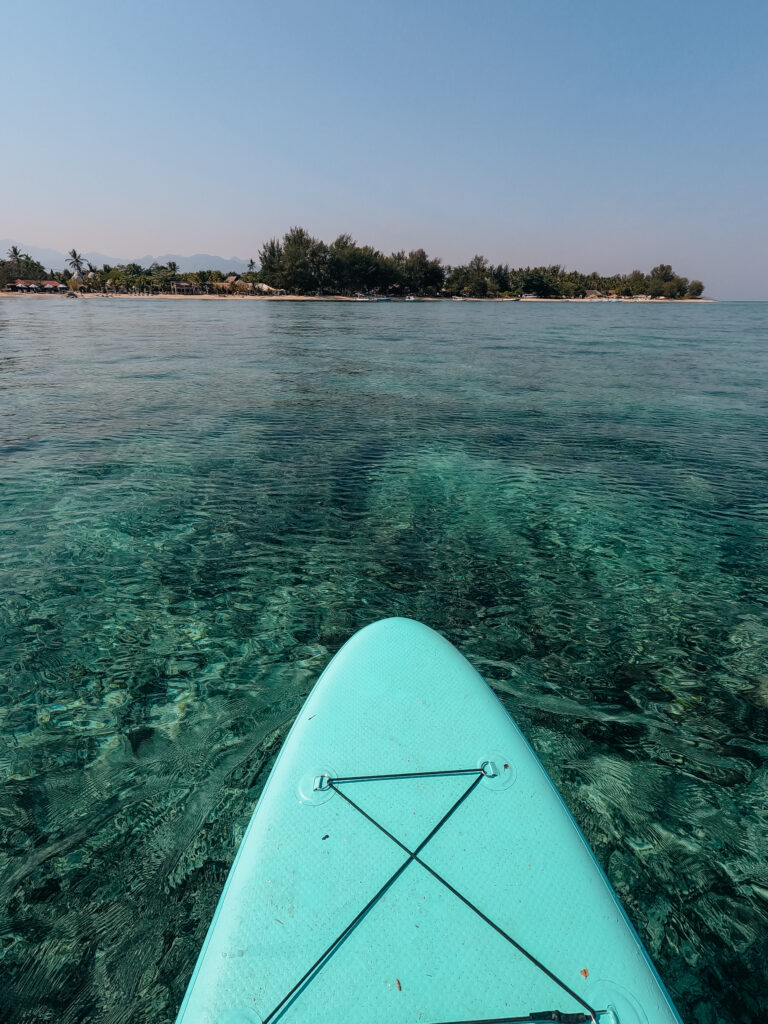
332	298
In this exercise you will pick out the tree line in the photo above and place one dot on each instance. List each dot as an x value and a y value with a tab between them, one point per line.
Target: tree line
299	264
20	264
302	265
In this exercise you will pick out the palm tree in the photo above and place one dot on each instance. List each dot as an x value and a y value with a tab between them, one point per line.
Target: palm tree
17	257
75	261
173	267
251	266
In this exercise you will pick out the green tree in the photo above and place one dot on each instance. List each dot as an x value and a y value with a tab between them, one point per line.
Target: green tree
478	275
20	265
500	275
304	262
115	278
354	268
637	283
16	256
663	272
539	281
695	289
676	288
271	260
422	275
472	279
75	261
343	270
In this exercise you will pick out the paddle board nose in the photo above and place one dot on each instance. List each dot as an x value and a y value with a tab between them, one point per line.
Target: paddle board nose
409	859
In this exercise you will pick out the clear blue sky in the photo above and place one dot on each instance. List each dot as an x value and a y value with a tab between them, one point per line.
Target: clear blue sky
600	135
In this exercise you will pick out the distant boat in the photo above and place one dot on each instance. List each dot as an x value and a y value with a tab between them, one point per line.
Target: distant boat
373	298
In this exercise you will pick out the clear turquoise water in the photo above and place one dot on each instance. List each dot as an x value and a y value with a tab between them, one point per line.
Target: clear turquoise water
199	502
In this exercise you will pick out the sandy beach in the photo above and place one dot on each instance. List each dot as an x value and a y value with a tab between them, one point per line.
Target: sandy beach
93	296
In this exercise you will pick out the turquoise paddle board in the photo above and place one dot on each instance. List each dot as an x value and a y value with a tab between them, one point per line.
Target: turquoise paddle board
411	862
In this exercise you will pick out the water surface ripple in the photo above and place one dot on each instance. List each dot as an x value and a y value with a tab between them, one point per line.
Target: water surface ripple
200	502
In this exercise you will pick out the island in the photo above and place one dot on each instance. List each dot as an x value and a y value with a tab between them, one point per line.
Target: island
301	266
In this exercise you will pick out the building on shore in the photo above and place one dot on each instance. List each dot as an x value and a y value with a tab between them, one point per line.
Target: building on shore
47	287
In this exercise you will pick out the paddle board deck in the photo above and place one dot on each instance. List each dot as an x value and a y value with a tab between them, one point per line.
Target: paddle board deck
410	860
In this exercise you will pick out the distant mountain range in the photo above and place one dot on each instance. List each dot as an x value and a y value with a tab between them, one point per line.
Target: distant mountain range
52	259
